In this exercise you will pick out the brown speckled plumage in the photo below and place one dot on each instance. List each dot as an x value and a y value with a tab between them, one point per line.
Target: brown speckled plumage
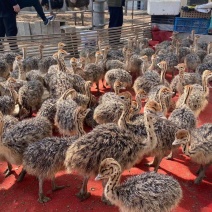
184	78
198	99
30	95
93	71
16	139
31	63
183	116
9	57
109	109
192	60
64	117
147	81
45	158
108	140
34	75
8	100
4	69
118	74
45	63
149	191
48	109
198	146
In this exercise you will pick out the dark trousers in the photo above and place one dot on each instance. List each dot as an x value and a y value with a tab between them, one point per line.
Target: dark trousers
33	3
8	27
116	20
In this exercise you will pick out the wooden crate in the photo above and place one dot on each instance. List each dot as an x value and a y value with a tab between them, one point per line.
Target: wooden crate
194	14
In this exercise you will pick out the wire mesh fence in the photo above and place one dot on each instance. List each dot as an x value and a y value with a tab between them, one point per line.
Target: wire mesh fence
76	40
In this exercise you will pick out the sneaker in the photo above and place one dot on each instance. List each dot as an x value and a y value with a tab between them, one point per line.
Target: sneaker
48	19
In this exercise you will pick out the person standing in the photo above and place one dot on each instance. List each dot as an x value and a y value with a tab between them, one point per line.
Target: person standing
115	8
8	12
8	25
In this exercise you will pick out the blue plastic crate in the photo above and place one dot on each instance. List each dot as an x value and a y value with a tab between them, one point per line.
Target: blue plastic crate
200	25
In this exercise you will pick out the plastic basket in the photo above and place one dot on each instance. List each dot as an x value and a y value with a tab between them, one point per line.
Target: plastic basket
200	25
194	14
196	2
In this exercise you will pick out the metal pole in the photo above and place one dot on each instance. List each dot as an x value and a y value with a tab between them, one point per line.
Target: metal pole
132	10
92	13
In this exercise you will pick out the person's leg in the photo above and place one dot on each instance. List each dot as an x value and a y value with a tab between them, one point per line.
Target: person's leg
120	22
33	3
116	20
11	30
2	33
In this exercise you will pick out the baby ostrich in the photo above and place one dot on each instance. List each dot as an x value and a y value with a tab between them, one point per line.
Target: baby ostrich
145	65
199	51
192	60
182	51
127	148
147	51
80	99
48	109
93	71
165	131
57	80
147	81
198	98
6	123
4	70
153	64
112	63
46	62
76	69
171	60
110	96
155	91
8	100
197	146
31	63
208	57
9	58
204	66
15	141
183	116
163	97
118	74
146	192
151	79
135	116
110	108
112	141
45	158
183	79
64	115
30	96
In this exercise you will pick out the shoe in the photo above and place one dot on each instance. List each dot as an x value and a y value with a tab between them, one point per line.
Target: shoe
48	19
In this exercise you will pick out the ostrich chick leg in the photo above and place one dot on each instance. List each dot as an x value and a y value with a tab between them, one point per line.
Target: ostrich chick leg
56	187
42	198
83	193
8	171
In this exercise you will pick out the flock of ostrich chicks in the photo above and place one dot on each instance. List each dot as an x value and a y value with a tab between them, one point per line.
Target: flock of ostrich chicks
121	134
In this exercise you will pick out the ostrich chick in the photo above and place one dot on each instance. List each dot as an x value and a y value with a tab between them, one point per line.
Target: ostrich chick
146	192
45	158
110	140
198	147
